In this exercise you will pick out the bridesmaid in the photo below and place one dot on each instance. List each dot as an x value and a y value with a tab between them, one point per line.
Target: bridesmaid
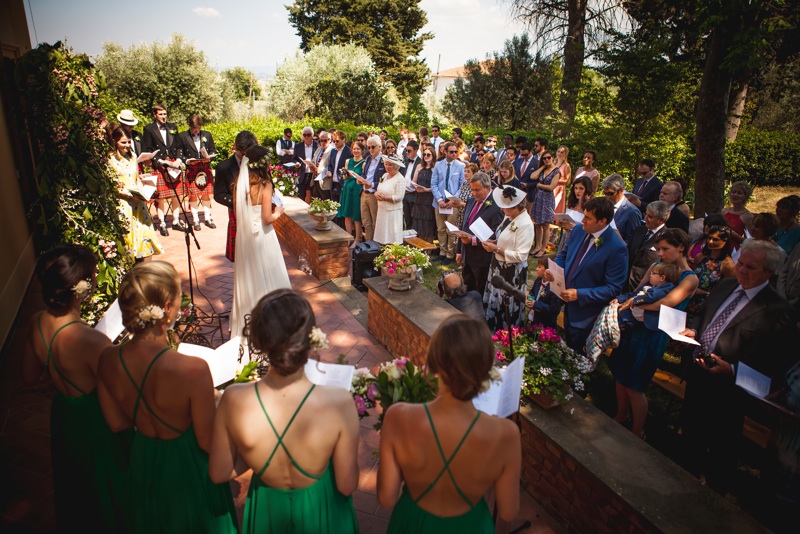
300	440
169	399
88	459
349	202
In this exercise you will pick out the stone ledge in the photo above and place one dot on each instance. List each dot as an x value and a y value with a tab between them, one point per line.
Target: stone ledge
327	252
593	475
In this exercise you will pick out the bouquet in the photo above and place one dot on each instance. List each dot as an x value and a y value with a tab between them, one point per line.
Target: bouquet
322	206
284	181
551	368
364	391
401	381
401	258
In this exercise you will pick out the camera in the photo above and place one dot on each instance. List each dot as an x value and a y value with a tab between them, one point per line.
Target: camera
707	359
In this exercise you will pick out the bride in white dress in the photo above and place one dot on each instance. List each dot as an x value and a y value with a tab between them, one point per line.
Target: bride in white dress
259	267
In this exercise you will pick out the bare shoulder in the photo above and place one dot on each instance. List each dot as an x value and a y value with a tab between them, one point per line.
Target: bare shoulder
334	397
235	395
500	427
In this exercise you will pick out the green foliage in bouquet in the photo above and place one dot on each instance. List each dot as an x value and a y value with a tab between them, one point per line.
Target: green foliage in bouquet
402	381
77	191
322	206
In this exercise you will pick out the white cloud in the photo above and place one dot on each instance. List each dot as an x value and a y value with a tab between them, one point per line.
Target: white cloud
205	12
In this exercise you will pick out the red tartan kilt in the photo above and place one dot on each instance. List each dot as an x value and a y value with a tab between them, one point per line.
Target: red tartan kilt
192	188
231	242
164	188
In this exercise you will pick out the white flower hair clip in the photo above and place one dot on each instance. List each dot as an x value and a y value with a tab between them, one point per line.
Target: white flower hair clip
82	287
318	339
148	314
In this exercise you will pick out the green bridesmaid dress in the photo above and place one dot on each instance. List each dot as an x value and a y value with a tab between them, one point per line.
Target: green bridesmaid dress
89	461
317	509
169	486
407	516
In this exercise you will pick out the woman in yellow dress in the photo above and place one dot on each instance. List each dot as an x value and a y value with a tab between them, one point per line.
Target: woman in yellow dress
140	241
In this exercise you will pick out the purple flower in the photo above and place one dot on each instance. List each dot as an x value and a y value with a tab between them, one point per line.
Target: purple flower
372	392
361	406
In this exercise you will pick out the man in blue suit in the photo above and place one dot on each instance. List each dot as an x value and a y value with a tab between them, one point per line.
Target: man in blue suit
595	262
448	175
524	166
373	171
339	156
627	217
648	187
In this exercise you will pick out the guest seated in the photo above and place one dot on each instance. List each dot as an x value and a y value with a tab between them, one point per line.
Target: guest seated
87	458
169	399
788	234
712	265
663	279
696	247
300	440
464	300
543	303
420	442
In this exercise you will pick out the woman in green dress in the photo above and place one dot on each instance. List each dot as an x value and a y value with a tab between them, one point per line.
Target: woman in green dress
300	440
437	452
350	199
89	461
169	399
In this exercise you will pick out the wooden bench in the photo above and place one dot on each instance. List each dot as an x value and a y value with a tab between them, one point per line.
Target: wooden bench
420	243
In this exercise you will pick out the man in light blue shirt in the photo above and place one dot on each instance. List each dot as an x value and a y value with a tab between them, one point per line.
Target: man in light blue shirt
446	180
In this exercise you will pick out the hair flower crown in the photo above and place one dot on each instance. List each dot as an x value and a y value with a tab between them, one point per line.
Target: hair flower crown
260	163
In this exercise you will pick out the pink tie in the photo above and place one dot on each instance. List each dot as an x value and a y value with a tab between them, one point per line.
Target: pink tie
524	166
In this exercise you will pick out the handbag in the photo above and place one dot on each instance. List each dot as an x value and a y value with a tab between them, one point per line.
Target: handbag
605	334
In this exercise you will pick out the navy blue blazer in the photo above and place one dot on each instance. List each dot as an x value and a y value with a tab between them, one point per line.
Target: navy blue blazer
648	194
346	154
627	219
380	170
598	279
526	178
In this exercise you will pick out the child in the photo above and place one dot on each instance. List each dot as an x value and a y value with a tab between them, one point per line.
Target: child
544	305
663	278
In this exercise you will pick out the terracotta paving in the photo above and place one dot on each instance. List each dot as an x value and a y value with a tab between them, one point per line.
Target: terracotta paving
25	483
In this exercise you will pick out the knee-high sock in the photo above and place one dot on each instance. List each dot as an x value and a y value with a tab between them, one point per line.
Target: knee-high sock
193	209
160	212
207	209
176	215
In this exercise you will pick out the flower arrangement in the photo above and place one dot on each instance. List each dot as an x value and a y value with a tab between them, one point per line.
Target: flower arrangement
401	381
318	206
401	258
149	314
364	390
284	181
551	367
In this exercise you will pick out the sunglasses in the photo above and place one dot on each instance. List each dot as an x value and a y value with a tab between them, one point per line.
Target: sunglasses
306	135
545	158
371	147
428	154
452	151
609	193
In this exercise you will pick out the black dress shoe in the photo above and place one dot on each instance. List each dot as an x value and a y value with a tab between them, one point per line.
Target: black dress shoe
197	227
210	224
163	230
180	227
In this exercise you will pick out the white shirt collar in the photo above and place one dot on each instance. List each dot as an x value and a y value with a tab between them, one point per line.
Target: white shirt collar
753	291
620	203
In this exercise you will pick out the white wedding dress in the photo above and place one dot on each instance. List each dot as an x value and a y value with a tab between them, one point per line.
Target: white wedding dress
259	267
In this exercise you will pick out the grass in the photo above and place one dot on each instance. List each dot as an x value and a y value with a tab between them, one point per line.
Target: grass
765	198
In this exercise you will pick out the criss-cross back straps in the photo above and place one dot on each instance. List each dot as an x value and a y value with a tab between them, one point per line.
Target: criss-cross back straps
140	389
446	460
49	347
280	436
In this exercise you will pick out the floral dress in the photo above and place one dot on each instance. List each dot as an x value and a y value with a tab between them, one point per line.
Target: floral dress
709	272
141	240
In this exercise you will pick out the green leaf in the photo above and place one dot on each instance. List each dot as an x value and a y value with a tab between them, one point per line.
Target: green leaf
87	215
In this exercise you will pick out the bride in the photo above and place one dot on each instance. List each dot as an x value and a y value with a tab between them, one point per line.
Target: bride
259	267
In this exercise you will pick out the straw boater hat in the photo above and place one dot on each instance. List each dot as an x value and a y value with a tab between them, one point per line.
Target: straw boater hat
126	116
394	160
508	196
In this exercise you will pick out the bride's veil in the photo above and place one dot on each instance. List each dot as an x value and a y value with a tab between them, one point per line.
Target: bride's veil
243	248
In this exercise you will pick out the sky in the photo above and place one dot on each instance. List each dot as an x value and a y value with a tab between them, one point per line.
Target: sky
254	34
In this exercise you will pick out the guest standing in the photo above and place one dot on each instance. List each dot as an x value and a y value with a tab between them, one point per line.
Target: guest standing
350	201
389	194
169	399
647	187
89	461
422	212
161	136
419	443
588	170
546	180
373	170
464	193
506	175
225	180
510	257
579	194
300	440
199	178
562	162
640	350
448	175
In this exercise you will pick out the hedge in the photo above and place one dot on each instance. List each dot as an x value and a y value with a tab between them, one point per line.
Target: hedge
761	158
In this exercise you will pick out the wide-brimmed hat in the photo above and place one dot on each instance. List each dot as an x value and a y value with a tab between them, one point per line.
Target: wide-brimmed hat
394	160
508	196
126	116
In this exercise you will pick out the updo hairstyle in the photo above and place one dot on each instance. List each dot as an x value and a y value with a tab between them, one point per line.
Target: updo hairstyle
461	352
279	328
260	173
59	270
152	283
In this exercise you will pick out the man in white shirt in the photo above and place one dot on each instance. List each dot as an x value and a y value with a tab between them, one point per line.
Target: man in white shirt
401	146
435	139
321	186
412	161
284	148
305	151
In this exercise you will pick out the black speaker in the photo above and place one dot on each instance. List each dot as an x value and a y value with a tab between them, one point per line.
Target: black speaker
363	260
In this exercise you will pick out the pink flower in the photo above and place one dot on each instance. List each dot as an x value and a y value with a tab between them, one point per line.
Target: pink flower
499	356
390	270
372	392
361	406
401	362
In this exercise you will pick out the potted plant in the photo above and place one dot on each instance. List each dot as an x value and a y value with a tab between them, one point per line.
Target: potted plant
552	370
401	263
323	211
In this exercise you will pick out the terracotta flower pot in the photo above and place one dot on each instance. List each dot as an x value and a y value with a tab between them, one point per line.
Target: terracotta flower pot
544	400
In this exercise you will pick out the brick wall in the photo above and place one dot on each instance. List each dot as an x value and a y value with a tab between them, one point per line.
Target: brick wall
394	330
327	253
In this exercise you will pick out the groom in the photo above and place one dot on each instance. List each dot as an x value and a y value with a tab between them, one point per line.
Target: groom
224	179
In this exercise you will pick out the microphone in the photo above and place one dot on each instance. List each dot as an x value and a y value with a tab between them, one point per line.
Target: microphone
500	283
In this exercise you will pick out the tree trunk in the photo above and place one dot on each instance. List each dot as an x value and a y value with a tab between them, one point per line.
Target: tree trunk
574	49
738	100
712	114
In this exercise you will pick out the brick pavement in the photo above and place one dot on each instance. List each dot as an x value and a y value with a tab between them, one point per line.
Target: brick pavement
26	486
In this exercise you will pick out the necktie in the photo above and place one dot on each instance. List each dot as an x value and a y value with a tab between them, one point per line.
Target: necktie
715	327
642	186
648	236
474	212
447	176
524	166
579	257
